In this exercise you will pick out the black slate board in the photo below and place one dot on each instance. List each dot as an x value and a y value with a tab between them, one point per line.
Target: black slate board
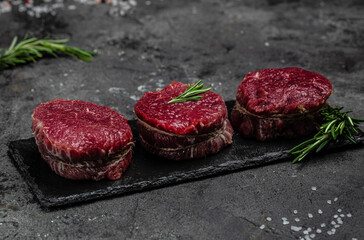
147	171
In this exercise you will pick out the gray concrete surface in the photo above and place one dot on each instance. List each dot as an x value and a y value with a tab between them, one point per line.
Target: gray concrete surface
219	42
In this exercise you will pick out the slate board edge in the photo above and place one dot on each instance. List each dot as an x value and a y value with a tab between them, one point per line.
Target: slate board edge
178	178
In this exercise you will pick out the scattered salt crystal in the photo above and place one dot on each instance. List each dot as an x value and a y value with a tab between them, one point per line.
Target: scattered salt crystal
314	188
335	216
307	237
295	211
297	219
354	239
333	222
339	210
336	226
284	218
333	230
348	215
323	225
329	201
305	232
269	219
319	211
262	226
309	230
313	235
335	199
342	215
294	228
266	44
329	232
285	222
318	230
71	7
310	215
339	221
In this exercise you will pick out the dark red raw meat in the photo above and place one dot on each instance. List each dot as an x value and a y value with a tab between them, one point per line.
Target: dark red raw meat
285	90
82	140
186	130
191	117
274	103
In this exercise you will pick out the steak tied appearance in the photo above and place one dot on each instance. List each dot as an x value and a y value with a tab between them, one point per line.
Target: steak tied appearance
82	140
184	130
274	103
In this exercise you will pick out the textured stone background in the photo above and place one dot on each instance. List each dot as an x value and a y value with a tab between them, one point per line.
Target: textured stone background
219	42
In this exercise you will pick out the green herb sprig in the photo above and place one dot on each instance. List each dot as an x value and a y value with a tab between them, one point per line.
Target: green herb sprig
191	93
30	49
336	125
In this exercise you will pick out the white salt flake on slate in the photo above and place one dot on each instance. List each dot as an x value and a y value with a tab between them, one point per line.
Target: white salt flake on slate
305	232
314	188
262	226
333	222
310	215
348	215
336	216
312	235
329	201
336	226
335	199
285	222
339	210
295	211
295	228
323	225
297	219
339	221
354	239
309	229
307	237
269	219
319	211
342	215
329	232
318	230
333	230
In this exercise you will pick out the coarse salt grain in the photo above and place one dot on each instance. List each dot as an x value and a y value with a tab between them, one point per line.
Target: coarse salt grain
262	226
295	228
310	215
329	201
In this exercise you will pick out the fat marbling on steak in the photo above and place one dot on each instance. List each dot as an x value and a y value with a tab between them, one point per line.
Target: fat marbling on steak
184	130
82	140
274	103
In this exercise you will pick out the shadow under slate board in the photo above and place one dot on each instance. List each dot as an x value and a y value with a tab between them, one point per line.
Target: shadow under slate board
147	171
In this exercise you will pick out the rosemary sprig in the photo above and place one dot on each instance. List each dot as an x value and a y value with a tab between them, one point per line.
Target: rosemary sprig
191	93
336	125
30	49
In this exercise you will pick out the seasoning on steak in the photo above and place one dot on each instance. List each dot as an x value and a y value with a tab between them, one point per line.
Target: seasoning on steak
274	103
184	130
82	140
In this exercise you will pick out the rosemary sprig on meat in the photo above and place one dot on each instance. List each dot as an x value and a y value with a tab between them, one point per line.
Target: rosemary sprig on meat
30	49
336	125
191	93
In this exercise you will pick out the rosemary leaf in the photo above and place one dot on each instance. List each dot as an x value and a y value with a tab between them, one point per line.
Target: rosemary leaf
191	93
336	124
31	49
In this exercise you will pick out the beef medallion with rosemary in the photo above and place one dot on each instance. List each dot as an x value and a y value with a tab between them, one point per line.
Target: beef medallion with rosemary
275	103
82	140
183	122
